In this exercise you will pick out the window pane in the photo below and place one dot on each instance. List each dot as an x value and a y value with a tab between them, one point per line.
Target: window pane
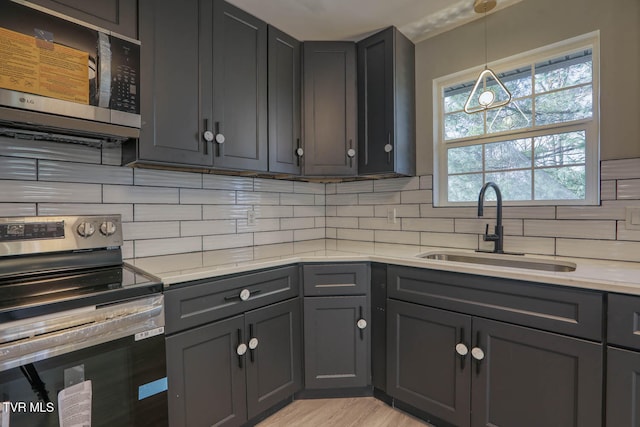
564	106
565	71
514	185
454	99
514	154
568	183
515	115
560	149
462	125
464	188
465	159
518	82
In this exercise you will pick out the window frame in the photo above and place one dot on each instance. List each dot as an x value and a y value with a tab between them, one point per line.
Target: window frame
591	126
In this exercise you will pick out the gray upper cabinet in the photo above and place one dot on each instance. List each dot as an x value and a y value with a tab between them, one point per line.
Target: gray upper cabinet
386	104
174	65
285	151
239	89
330	109
119	16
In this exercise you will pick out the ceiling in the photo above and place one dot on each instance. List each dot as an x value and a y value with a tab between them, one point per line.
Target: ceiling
355	19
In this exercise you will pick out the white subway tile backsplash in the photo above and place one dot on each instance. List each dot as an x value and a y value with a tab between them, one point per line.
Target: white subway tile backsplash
87	173
320	200
177	262
40	191
207	227
273	250
308	187
378	224
614	210
330	211
439	225
154	247
429	211
378	198
355	187
629	188
342	199
18	209
257	198
270	237
150	230
227	241
127	250
274	211
261	224
112	155
416	196
354	246
222	182
527	245
626	234
308	234
399	237
228	212
207	197
526	212
124	210
160	178
352	234
512	227
297	199
17	168
331	188
608	190
227	256
299	211
426	182
396	184
309	245
402	211
320	222
272	185
449	240
360	211
331	233
167	212
342	222
571	229
131	194
601	249
620	169
297	223
46	150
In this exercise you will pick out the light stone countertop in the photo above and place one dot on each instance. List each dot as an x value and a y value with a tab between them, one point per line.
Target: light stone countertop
611	276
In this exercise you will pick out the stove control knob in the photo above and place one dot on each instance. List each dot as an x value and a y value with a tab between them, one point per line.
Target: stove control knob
86	229
107	228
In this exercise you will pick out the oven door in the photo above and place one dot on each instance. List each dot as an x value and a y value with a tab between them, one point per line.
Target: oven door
119	348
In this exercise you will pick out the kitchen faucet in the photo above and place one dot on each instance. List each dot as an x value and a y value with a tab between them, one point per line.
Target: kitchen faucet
498	234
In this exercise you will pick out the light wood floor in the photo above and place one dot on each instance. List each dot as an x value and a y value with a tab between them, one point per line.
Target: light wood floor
351	412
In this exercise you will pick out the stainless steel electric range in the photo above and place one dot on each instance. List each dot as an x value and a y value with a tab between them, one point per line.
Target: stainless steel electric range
81	331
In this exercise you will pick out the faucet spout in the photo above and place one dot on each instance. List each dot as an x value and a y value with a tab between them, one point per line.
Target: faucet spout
498	236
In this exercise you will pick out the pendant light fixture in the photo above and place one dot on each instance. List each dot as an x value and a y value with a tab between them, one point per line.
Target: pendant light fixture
488	92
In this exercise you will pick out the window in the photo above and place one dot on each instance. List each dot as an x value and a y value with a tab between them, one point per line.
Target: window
541	148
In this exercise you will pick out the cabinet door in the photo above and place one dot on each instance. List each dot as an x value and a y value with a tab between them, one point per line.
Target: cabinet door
239	89
284	102
530	378
274	365
623	388
173	83
119	16
330	108
206	376
423	368
336	351
386	104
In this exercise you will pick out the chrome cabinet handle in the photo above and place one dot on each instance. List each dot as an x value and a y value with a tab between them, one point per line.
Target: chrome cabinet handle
361	324
241	348
253	343
462	349
351	152
477	353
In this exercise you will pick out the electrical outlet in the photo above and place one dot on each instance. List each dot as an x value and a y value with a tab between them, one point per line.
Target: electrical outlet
633	219
251	217
391	216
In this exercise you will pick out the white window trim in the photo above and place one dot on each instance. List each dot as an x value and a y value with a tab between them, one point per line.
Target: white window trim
592	166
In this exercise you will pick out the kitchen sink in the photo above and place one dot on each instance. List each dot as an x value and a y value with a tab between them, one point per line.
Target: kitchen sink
502	260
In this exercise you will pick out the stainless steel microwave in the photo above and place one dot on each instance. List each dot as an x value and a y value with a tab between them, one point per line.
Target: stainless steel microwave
65	79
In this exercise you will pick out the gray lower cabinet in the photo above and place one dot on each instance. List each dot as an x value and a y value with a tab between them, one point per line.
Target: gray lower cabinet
336	346
229	371
623	388
330	108
119	16
386	104
470	371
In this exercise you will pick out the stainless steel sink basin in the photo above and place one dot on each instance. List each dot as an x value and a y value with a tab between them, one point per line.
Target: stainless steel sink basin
500	260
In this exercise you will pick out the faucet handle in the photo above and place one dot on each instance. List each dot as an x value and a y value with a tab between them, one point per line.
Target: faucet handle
486	230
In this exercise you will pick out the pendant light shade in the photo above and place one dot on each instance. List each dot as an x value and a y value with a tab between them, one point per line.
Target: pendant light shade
488	92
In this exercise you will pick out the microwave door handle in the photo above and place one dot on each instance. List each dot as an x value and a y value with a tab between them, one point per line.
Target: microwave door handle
104	70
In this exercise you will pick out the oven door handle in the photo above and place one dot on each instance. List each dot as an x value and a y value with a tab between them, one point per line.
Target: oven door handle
109	323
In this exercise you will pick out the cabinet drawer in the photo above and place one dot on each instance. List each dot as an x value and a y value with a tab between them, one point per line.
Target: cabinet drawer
568	311
624	321
206	301
335	279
